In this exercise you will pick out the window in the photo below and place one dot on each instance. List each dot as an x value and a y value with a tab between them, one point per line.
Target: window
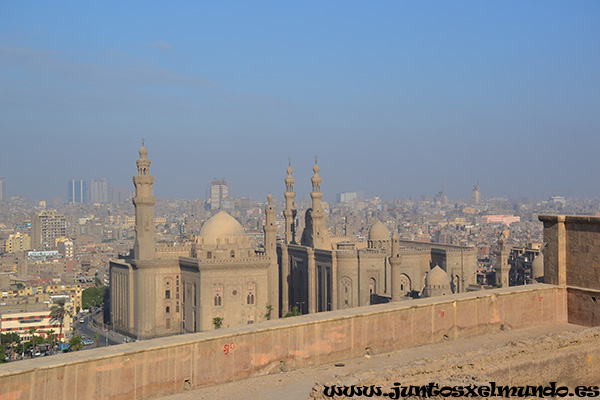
209	254
232	254
167	294
168	310
250	298
218	300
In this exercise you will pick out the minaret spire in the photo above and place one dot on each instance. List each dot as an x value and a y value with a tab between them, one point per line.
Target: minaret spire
289	213
143	248
320	235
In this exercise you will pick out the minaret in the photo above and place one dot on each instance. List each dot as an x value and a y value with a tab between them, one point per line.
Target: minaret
289	213
501	265
395	261
143	248
270	228
320	235
270	244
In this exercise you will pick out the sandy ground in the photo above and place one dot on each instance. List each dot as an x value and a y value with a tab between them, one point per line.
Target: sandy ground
297	385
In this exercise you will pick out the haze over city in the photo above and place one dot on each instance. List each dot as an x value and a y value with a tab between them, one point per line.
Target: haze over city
394	97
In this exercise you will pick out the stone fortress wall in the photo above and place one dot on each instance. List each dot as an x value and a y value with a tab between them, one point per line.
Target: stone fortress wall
168	365
572	261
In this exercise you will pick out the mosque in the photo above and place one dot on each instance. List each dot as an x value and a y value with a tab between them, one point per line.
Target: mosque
222	281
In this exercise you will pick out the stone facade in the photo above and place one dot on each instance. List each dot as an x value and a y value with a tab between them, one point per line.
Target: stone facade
572	260
317	277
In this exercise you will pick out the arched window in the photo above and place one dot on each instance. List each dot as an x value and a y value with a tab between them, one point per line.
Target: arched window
218	300
232	254
168	309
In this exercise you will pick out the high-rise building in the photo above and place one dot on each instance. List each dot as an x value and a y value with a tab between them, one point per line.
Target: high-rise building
218	192
476	194
46	226
347	197
2	188
77	191
118	194
99	191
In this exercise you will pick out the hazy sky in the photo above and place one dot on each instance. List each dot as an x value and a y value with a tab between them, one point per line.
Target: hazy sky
393	96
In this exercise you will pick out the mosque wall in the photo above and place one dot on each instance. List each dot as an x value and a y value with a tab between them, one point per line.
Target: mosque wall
169	365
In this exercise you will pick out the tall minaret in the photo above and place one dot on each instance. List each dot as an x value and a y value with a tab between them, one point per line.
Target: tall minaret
395	262
143	248
289	213
320	235
270	244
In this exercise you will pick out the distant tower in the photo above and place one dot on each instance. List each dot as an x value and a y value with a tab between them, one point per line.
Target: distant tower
98	191
219	191
270	230
289	213
501	265
78	191
2	189
143	248
476	194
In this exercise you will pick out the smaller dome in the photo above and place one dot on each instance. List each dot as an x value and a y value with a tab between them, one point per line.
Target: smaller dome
537	266
379	231
437	277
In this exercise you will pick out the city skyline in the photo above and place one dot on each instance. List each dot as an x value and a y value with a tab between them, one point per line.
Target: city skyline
394	97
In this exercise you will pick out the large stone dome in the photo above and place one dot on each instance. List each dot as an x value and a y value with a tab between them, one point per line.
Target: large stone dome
379	232
221	226
437	277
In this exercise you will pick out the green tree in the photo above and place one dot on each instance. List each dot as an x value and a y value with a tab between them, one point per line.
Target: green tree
93	296
269	311
217	322
293	313
2	354
32	331
51	337
58	312
97	337
76	343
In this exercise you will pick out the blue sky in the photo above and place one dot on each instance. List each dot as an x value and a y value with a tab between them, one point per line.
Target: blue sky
394	96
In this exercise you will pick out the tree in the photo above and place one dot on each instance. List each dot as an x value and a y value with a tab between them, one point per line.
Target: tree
58	312
217	322
269	311
293	313
76	343
32	331
97	337
51	337
93	296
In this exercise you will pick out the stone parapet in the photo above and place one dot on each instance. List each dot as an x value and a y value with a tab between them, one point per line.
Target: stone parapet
168	365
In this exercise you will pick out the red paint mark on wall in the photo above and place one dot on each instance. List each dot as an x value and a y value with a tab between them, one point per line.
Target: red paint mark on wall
228	348
540	298
441	313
